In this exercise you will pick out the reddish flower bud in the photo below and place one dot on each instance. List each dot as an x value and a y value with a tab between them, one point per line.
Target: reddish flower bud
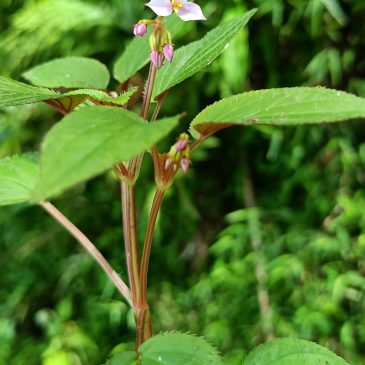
184	164
181	145
168	51
156	58
139	30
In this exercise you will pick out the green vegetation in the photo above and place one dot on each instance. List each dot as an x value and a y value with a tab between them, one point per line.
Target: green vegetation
264	238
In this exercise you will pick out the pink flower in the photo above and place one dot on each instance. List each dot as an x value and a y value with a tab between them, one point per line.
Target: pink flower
156	58
139	29
186	10
168	51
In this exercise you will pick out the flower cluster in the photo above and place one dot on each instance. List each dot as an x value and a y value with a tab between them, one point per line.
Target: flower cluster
160	39
179	154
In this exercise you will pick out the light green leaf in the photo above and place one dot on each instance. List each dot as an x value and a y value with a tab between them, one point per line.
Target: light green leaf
285	107
137	53
18	175
91	140
70	72
292	351
178	349
123	358
17	93
195	56
102	96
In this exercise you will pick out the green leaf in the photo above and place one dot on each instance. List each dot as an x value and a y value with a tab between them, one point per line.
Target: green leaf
137	53
195	56
70	72
285	107
102	96
18	175
17	93
91	140
123	358
292	351
178	349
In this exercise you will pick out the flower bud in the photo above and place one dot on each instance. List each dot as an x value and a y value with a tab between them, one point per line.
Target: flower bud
156	58
184	164
181	145
168	51
139	29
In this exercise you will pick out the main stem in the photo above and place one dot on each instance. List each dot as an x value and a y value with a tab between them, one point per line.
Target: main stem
139	296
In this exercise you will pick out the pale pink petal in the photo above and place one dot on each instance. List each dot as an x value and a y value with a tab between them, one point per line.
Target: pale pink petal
160	7
190	11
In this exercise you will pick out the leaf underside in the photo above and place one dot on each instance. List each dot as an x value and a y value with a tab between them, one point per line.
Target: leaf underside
14	93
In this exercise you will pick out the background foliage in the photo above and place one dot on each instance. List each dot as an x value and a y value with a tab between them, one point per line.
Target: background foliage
284	206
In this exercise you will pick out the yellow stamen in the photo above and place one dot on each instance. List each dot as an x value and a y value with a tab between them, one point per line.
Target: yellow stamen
176	5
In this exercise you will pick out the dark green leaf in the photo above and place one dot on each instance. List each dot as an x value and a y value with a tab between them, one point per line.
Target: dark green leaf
195	56
178	349
70	72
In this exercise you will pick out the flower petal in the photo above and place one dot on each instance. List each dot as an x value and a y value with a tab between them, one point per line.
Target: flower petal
160	7
190	11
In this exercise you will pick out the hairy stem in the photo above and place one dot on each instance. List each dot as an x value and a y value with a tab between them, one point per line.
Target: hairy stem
157	200
90	248
130	240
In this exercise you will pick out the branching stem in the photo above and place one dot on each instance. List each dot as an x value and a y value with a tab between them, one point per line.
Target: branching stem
90	248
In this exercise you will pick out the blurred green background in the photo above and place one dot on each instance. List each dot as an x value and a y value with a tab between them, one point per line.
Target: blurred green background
264	238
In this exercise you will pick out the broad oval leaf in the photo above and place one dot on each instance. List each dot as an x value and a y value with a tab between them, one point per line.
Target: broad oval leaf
292	351
192	58
17	93
18	176
137	53
287	106
91	140
178	349
70	72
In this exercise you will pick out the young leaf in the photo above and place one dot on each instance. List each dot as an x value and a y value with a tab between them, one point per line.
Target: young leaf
292	351
123	358
136	54
178	349
290	106
17	93
70	72
90	141
102	96
18	175
195	56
